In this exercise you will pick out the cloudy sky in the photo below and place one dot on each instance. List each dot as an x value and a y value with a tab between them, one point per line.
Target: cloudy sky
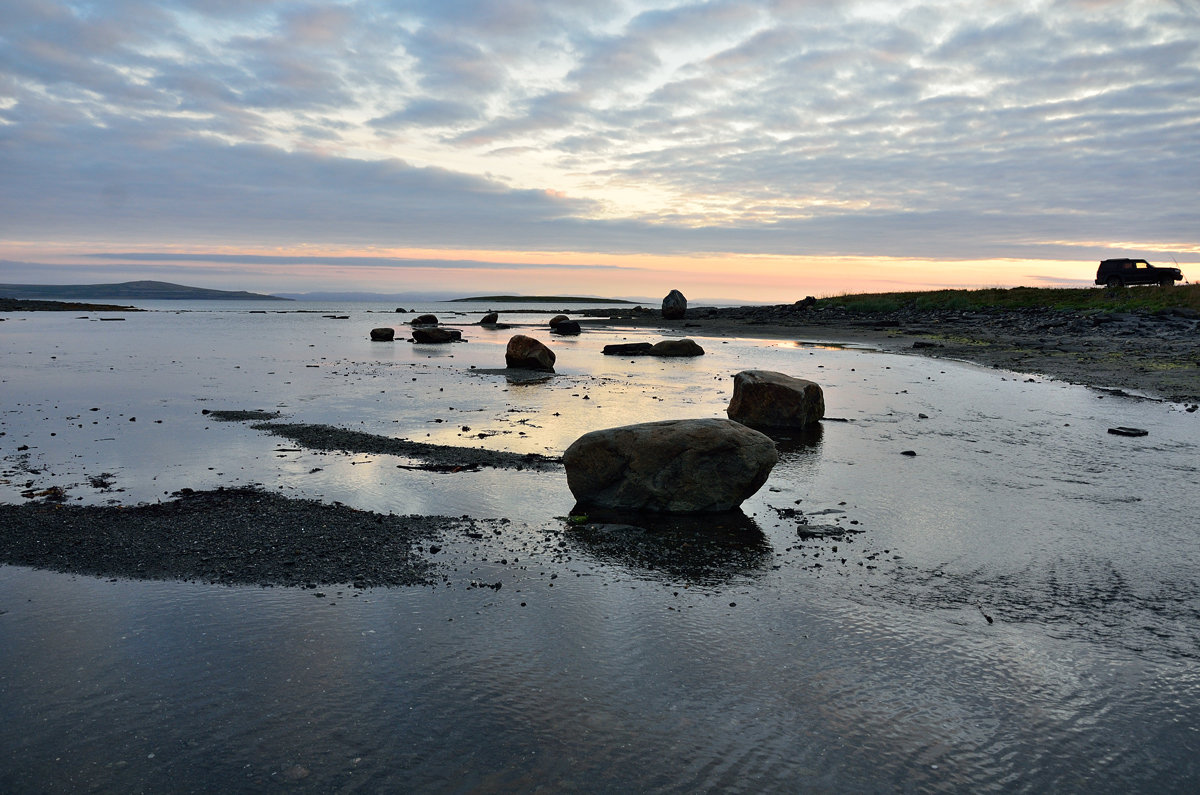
754	150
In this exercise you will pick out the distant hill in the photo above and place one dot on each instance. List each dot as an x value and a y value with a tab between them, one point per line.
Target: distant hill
146	290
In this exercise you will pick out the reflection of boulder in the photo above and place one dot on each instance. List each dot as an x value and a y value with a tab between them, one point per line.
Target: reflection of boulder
526	353
384	334
672	466
766	399
705	548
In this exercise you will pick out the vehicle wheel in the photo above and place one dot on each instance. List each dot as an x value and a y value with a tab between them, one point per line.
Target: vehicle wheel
1115	281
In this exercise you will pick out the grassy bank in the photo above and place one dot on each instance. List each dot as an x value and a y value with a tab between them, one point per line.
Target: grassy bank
1099	299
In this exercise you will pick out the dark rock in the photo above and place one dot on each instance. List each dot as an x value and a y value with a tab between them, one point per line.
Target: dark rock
401	309
673	466
436	336
526	353
683	347
424	320
385	334
767	399
566	328
490	319
806	303
674	306
1122	430
628	349
554	321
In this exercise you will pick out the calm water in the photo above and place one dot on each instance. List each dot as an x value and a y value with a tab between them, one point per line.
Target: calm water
864	663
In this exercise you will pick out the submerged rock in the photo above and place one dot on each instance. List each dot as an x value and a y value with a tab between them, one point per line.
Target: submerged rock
628	349
526	353
767	399
384	334
674	306
672	466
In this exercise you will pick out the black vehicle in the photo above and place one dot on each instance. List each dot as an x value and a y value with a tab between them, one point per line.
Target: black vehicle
1119	272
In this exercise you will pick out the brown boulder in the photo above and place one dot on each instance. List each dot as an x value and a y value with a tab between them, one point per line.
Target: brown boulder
383	334
436	336
674	306
767	399
683	347
526	353
673	466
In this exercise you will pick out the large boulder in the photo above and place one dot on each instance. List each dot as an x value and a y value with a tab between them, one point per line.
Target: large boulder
436	336
490	319
384	334
526	353
673	466
683	347
766	399
554	321
424	320
567	328
674	306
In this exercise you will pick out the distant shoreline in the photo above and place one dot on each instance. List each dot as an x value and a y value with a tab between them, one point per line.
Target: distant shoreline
539	299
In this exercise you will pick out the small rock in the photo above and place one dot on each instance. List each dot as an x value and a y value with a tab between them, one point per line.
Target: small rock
425	320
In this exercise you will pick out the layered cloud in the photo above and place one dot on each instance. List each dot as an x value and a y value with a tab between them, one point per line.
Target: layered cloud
957	129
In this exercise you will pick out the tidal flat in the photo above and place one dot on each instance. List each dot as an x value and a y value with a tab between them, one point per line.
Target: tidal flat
960	580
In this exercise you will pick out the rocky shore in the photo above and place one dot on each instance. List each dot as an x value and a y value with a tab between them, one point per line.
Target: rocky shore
1151	354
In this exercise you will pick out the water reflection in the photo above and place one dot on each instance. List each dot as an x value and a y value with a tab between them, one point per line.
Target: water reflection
695	548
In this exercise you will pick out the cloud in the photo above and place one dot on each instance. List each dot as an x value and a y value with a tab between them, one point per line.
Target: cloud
953	129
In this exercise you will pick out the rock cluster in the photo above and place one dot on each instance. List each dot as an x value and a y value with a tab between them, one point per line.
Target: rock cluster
682	347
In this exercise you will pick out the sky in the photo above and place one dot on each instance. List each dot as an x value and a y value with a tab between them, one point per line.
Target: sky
761	151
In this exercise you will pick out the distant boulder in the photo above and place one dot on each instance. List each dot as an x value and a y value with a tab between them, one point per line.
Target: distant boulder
383	334
674	306
628	349
805	303
526	353
566	328
767	399
436	336
424	320
490	319
554	321
673	466
401	309
683	347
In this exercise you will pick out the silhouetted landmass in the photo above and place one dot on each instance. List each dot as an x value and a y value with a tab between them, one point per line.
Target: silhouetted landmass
542	299
161	291
23	305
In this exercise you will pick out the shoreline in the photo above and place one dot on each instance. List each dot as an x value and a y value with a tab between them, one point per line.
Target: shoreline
1154	356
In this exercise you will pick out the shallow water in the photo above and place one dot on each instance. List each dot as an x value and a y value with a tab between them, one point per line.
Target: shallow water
865	662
